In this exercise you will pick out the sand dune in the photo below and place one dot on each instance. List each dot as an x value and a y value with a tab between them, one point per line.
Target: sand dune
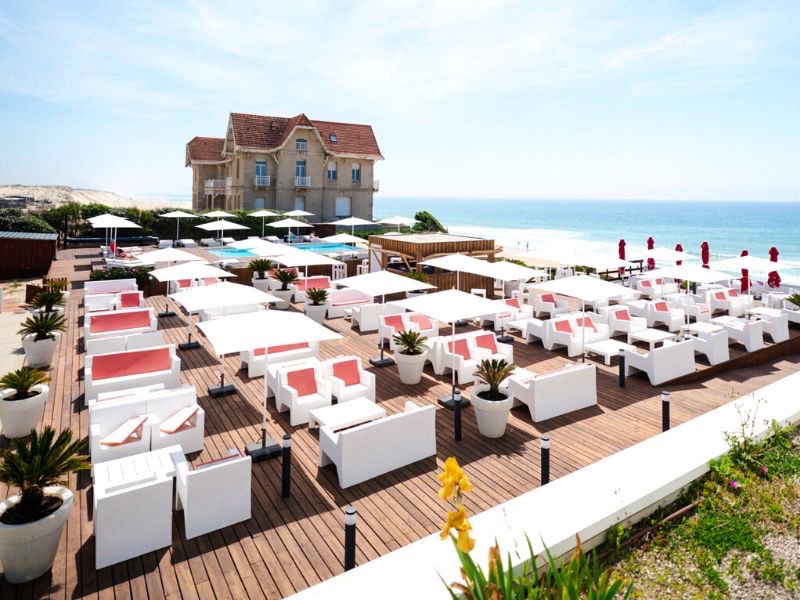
57	195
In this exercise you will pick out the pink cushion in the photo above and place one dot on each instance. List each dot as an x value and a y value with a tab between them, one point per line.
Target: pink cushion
548	298
487	340
395	322
513	302
313	282
586	322
286	347
303	380
127	432
645	283
659	281
733	293
719	295
184	283
421	320
661	307
210	280
623	315
563	326
135	362
129	299
180	419
461	348
117	321
347	371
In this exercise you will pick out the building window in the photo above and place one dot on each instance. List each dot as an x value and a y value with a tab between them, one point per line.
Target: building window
332	171
259	203
261	168
356	172
332	138
301	145
299	203
343	207
300	168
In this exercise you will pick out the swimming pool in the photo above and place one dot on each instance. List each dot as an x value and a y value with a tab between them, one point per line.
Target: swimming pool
319	248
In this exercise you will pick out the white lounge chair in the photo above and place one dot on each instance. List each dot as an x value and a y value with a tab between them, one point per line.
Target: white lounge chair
300	390
672	360
367	316
553	394
348	378
548	304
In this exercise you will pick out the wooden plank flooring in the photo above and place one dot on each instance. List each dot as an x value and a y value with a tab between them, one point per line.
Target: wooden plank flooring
291	544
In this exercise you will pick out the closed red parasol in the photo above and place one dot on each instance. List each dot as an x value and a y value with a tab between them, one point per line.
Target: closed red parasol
773	279
678	248
704	255
622	256
651	262
745	276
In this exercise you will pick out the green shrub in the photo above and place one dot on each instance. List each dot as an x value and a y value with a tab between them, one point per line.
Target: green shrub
14	219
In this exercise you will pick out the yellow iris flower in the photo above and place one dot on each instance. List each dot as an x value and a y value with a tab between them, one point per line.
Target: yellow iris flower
457	519
452	478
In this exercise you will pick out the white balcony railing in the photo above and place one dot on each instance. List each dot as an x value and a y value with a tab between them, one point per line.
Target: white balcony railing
376	185
211	184
302	181
262	180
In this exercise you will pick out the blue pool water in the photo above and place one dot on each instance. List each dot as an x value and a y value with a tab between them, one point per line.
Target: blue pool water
232	253
319	248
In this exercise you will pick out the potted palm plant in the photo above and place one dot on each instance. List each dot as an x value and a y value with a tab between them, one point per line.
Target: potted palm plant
417	276
492	404
792	302
40	333
286	291
316	304
260	268
23	394
410	355
32	521
46	300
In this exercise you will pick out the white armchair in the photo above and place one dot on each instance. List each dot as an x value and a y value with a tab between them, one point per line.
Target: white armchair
699	310
548	304
367	316
729	300
621	321
213	495
713	345
301	389
491	348
458	355
348	378
672	360
659	311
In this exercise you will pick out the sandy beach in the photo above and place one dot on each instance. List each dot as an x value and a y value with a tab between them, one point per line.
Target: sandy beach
58	195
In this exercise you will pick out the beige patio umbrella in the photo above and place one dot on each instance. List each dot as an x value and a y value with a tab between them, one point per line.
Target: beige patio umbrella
178	215
263	213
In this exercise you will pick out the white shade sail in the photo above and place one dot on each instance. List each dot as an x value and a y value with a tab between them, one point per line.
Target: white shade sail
263	213
694	273
508	271
458	262
168	255
189	270
288	223
450	306
298	213
584	288
178	214
381	283
220	295
351	222
108	221
218	214
398	221
238	333
221	225
752	263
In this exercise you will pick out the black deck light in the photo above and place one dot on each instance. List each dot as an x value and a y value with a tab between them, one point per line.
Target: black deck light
350	538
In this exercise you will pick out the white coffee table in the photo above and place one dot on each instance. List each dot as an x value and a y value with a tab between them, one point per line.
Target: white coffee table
651	336
701	327
607	349
345	414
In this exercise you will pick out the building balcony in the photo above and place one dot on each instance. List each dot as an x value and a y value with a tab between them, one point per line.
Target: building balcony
217	185
302	182
261	180
376	185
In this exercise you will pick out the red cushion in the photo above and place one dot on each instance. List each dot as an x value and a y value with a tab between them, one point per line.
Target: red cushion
129	299
563	326
733	293
421	320
513	302
661	307
548	298
150	360
395	322
487	340
719	295
586	322
623	315
284	348
645	283
659	281
183	283
303	380
347	371
117	321
210	280
461	348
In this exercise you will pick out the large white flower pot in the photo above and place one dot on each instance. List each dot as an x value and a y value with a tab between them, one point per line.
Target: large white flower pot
28	551
285	296
410	366
492	415
18	417
40	353
261	284
316	312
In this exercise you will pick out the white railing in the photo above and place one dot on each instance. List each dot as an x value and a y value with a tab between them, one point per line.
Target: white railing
262	180
216	183
302	181
376	185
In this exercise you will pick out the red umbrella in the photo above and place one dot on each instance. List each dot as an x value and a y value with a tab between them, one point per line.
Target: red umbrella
773	279
651	262
745	276
678	248
704	254
622	256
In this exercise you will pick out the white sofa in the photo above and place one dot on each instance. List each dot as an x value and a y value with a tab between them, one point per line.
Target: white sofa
574	332
395	323
713	345
672	360
341	300
729	300
122	343
367	316
508	309
547	304
114	323
109	286
256	360
99	302
134	368
657	288
552	394
213	495
366	451
749	334
701	311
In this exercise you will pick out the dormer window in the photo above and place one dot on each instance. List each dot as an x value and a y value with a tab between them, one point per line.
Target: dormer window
301	145
332	138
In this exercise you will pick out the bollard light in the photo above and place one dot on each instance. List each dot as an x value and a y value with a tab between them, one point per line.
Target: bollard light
286	470
457	414
545	459
664	411
350	537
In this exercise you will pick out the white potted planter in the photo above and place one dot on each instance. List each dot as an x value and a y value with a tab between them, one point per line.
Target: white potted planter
285	296
410	366
262	285
18	417
492	415
28	551
316	312
40	353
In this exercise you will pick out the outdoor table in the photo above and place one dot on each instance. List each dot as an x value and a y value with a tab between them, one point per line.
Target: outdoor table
520	325
345	414
608	349
702	328
651	336
764	312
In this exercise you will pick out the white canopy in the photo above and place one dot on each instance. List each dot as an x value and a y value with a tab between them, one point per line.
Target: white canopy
189	270
450	306
108	221
584	288
220	295
168	255
218	214
351	222
752	263
304	258
289	223
344	238
508	271
381	283
694	273
221	225
263	213
247	331
178	214
298	213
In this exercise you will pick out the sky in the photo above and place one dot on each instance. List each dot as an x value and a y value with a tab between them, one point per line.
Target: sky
515	99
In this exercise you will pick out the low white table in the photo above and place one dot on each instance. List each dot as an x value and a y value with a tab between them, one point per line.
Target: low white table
345	414
651	336
764	312
701	327
520	325
608	349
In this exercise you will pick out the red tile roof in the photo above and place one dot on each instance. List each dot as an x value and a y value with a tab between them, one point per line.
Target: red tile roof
206	148
267	133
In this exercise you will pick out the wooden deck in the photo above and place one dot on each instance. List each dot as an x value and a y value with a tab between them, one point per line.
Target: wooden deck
291	544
